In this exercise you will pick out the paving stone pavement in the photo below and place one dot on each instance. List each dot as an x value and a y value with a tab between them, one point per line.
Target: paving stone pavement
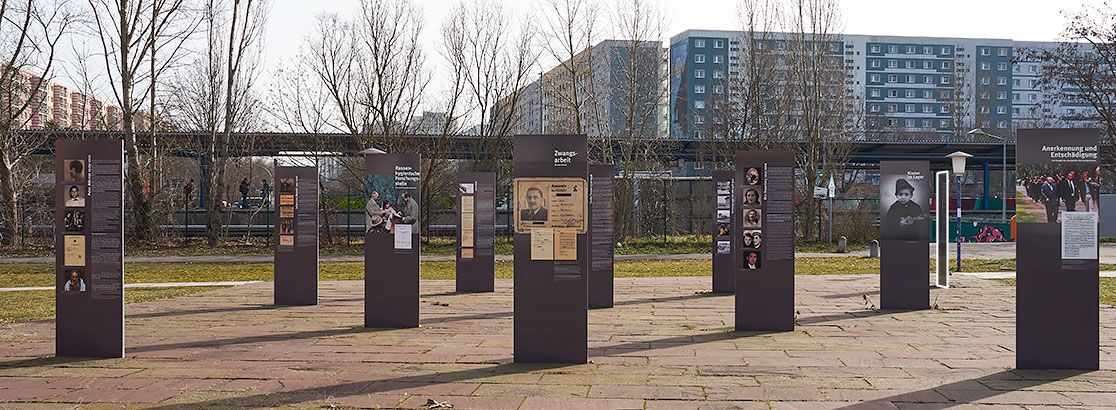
664	346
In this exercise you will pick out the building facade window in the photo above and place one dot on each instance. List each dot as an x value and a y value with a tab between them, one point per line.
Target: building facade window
699	58
875	92
699	89
718	74
910	93
699	104
892	48
875	48
699	73
892	64
946	65
699	43
1002	66
718	43
718	58
875	78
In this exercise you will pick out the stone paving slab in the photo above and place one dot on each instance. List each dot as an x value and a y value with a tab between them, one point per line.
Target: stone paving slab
666	345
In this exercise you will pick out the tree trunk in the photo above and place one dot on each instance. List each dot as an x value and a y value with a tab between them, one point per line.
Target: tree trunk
9	212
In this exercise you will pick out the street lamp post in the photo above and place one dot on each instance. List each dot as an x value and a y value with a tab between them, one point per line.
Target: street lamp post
958	161
1003	142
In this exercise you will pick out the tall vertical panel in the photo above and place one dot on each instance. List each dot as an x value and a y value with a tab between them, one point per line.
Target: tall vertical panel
89	248
476	232
296	235
904	234
1057	280
765	240
601	185
721	225
391	247
551	252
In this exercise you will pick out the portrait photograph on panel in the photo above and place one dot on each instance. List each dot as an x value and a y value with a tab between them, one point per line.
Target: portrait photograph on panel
751	260
752	197
75	170
286	226
75	196
904	204
752	239
74	281
753	176
753	218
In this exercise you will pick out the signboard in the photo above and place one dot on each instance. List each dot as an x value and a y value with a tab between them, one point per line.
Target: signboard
89	263
1057	285
904	234
296	227
765	240
476	219
391	240
551	252
722	228
941	228
601	183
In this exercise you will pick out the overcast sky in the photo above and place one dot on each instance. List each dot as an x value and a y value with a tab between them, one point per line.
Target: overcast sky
1037	20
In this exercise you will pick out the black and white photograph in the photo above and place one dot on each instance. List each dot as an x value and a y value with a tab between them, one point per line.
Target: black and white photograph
286	226
723	202
751	260
75	170
724	216
75	220
753	176
724	247
752	197
75	196
466	188
753	218
752	239
904	201
724	188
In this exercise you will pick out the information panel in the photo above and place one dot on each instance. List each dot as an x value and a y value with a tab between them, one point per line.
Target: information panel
296	230
551	252
721	225
904	234
764	194
476	219
601	185
391	240
89	248
1057	286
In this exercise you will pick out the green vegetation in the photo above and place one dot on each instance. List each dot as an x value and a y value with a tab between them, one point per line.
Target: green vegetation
38	304
1107	289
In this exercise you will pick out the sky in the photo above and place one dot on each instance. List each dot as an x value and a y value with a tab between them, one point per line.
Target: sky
292	20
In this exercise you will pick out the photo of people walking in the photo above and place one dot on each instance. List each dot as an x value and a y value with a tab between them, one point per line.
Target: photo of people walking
1043	192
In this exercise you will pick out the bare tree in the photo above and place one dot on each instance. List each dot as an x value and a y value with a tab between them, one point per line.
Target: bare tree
1082	68
394	78
570	26
132	33
29	36
635	95
215	94
496	57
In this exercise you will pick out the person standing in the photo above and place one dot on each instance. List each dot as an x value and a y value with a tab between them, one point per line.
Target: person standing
374	215
1070	191
265	192
244	186
1049	193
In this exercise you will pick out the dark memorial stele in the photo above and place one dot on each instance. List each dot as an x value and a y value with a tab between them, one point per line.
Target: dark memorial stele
724	258
476	216
601	182
296	233
1057	285
764	284
904	234
89	248
391	240
551	253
